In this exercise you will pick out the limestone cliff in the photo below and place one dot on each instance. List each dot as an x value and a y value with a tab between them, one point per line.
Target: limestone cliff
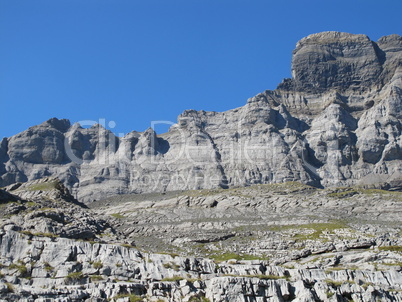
336	122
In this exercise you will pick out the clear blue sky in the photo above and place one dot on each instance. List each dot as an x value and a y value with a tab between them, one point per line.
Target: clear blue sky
133	62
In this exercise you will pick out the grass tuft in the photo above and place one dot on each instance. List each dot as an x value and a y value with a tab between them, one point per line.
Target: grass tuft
333	283
97	265
10	287
21	268
117	215
75	276
96	278
172	279
48	267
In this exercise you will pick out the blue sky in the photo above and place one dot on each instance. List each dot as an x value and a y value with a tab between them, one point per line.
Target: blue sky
133	62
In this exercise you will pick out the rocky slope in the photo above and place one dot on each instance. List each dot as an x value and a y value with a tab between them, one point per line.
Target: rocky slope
336	122
279	221
259	243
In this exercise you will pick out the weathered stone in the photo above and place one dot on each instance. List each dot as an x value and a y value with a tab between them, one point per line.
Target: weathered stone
336	122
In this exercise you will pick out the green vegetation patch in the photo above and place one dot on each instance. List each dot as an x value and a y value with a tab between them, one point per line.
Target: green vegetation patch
127	245
198	299
173	255
343	194
96	278
132	297
39	234
348	192
117	215
10	287
367	284
316	229
399	263
391	248
97	265
46	186
333	283
172	266
21	268
75	276
47	267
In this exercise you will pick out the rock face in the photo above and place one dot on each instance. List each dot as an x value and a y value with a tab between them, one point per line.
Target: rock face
45	207
260	220
336	122
337	60
54	249
67	270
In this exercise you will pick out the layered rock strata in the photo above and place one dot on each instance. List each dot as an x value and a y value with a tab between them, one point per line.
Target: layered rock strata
336	122
54	249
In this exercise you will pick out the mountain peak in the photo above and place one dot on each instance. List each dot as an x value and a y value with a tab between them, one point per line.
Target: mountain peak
328	37
60	124
336	60
335	123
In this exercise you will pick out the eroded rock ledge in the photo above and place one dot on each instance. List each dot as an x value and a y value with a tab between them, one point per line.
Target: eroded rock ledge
259	243
38	269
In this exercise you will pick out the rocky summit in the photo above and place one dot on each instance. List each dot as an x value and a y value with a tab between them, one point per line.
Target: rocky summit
293	197
336	122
